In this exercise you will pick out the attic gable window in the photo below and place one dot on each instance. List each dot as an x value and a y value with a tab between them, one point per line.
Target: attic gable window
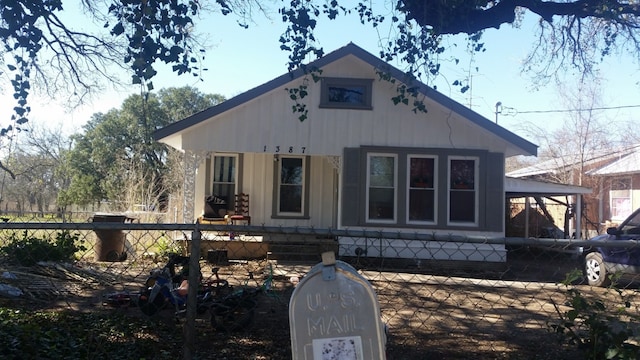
346	93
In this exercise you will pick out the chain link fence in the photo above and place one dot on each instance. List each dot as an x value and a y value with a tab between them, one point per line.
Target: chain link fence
446	296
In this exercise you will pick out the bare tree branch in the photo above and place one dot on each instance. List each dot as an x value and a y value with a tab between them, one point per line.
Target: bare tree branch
473	16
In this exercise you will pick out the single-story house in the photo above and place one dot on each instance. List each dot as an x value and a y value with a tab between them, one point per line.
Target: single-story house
358	160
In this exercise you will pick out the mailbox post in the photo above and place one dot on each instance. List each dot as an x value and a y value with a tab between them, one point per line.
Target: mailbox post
334	314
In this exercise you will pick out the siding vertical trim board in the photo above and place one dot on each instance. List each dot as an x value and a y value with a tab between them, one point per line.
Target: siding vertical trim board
494	193
351	188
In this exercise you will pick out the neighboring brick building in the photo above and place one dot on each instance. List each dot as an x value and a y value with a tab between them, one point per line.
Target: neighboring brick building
612	176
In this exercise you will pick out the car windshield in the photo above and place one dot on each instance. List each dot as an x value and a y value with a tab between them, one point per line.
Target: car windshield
632	224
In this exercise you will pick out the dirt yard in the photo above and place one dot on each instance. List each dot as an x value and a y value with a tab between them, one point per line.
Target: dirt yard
446	314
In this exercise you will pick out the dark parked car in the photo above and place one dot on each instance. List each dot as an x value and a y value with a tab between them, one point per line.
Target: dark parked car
601	262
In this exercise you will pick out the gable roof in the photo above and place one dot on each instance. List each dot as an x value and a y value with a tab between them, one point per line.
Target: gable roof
617	161
628	163
526	147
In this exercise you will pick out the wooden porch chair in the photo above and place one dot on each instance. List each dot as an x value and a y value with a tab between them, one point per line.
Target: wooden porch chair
241	213
214	211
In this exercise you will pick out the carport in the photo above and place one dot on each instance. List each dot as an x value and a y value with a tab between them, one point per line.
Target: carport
527	189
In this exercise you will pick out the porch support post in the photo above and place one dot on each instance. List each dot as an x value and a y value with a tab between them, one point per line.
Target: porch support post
527	205
336	162
192	160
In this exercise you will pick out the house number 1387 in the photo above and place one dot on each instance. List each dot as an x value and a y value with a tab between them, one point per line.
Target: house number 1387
285	149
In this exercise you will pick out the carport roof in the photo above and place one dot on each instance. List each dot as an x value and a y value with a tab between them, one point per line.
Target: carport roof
517	187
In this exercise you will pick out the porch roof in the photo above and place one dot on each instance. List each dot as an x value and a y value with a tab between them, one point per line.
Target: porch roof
520	145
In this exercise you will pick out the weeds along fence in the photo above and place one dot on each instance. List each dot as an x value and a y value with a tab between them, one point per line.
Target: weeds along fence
440	296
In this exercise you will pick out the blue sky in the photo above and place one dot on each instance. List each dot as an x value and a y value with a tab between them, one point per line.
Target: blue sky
239	59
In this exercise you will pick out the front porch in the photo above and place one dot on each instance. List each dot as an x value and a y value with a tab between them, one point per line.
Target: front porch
284	247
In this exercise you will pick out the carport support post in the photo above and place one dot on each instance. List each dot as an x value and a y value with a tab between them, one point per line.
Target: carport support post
192	295
527	205
578	216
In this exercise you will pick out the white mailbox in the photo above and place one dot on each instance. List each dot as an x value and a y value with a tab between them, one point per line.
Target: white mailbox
334	314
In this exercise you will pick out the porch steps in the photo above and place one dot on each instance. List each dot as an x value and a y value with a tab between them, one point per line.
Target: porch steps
306	251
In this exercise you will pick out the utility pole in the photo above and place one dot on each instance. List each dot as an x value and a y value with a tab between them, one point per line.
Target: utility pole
498	109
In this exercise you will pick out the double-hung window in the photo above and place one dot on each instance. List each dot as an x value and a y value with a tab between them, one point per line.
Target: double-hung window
291	186
620	197
381	187
421	189
463	190
225	178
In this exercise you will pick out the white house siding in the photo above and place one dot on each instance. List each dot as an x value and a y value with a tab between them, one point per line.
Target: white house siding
259	126
424	250
323	191
262	124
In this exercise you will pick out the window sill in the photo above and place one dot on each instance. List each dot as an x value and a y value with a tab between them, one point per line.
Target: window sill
345	106
462	224
291	217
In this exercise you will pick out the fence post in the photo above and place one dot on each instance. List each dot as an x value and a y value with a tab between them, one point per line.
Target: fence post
192	295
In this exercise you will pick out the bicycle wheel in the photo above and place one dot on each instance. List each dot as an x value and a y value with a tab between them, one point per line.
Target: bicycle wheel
232	314
151	308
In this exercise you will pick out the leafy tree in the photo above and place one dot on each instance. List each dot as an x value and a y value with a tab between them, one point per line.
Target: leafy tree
117	159
178	103
40	44
83	168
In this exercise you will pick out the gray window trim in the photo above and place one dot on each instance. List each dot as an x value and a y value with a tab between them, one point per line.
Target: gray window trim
476	191
436	185
209	178
328	82
306	163
394	220
484	221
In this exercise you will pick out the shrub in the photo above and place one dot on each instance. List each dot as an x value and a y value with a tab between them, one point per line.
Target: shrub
166	246
27	250
601	330
37	334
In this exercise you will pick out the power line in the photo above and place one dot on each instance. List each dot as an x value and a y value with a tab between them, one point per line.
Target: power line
509	111
577	110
